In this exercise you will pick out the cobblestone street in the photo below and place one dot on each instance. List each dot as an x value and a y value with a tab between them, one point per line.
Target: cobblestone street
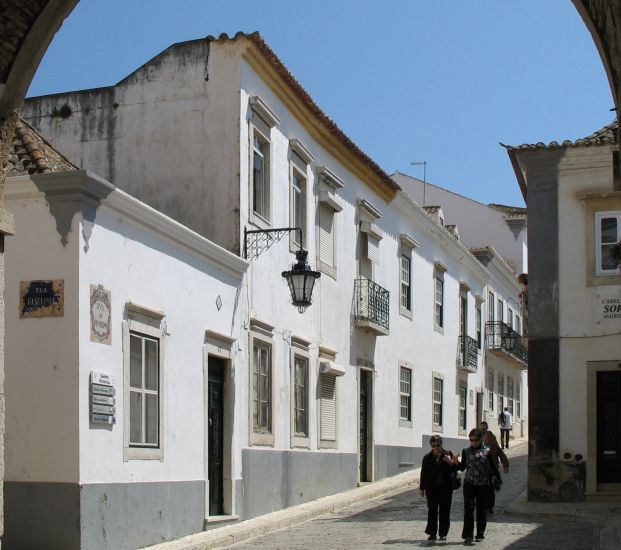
398	521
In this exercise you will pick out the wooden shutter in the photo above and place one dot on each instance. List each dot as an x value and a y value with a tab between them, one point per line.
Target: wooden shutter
326	235
327	407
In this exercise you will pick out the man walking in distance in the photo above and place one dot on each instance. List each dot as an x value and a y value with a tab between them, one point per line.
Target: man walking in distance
505	421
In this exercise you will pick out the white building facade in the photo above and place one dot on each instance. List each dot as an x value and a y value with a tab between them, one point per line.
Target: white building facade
392	349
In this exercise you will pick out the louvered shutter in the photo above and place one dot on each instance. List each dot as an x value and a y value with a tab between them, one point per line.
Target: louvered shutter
326	235
327	407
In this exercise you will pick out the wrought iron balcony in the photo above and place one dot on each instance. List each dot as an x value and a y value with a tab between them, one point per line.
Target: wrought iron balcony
468	353
371	307
501	338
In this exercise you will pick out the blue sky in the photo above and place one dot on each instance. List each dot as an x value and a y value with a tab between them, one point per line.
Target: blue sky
407	80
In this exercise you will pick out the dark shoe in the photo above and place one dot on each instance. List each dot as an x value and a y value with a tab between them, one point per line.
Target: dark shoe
443	538
479	538
432	537
468	541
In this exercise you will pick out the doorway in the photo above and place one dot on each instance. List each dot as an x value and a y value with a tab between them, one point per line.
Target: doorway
365	407
608	446
215	437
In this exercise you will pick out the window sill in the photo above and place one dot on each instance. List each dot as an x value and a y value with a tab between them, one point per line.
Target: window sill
438	328
406	312
298	442
405	423
326	269
437	428
324	444
259	439
461	431
142	453
259	221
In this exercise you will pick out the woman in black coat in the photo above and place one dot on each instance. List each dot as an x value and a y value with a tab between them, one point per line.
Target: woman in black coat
436	485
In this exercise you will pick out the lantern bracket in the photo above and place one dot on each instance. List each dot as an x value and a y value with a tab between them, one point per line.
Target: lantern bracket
257	241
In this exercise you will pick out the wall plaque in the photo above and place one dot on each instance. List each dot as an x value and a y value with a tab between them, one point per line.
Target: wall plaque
101	324
38	299
608	309
102	400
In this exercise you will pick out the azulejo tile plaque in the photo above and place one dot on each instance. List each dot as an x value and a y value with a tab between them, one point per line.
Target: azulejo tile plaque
42	298
101	323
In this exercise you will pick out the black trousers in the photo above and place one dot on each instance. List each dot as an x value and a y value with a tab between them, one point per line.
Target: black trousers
504	438
475	497
439	504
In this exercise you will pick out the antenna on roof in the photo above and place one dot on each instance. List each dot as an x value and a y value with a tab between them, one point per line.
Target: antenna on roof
424	163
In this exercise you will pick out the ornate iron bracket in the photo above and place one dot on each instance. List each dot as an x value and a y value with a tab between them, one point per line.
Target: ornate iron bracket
257	241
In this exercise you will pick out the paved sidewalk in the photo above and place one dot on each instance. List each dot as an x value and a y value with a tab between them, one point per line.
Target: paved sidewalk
392	512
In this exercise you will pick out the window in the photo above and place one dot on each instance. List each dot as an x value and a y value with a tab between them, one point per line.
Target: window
607	238
439	301
405	396
327	410
406	297
262	388
510	395
518	324
144	389
463	314
438	384
261	384
490	307
518	404
490	389
300	396
143	378
298	205
463	397
501	311
479	327
510	317
260	175
501	391
326	236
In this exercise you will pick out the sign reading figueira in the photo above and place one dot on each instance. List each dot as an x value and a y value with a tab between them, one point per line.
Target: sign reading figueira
39	299
102	409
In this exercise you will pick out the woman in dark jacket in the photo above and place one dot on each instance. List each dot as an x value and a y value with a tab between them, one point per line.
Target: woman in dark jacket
435	484
481	469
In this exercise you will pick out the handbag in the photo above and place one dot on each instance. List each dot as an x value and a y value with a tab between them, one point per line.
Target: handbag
455	481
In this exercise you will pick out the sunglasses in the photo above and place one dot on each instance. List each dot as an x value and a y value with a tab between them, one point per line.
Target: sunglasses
436	444
475	439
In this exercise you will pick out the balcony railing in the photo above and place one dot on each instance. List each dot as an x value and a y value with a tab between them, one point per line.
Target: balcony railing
468	353
371	306
501	337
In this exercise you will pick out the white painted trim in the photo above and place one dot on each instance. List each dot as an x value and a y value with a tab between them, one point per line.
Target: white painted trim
261	109
329	177
297	147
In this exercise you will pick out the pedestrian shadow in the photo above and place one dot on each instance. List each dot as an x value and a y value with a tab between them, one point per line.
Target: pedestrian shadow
421	543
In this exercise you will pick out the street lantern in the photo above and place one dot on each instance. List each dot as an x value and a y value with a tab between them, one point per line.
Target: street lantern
301	281
301	278
511	339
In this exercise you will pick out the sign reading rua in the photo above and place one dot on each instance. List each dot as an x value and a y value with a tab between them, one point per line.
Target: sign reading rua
100	315
41	299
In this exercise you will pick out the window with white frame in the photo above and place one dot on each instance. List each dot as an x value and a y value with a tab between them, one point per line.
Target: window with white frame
510	317
607	239
518	324
490	389
143	356
518	399
300	396
501	391
298	204
326	236
490	307
327	410
405	395
439	298
261	385
463	400
406	295
510	394
500	317
438	395
261	194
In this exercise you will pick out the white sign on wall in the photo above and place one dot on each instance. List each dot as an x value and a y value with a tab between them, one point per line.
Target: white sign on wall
608	308
102	400
101	324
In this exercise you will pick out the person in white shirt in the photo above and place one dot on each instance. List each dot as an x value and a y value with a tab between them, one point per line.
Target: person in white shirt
505	421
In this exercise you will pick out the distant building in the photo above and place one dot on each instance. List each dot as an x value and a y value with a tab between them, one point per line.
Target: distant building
574	215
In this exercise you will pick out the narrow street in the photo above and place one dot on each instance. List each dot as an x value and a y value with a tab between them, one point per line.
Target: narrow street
398	521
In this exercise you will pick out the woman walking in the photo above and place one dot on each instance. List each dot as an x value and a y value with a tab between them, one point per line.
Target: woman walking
436	485
480	467
489	440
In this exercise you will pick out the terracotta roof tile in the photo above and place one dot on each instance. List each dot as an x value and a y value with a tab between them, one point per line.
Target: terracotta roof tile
31	153
431	209
510	211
